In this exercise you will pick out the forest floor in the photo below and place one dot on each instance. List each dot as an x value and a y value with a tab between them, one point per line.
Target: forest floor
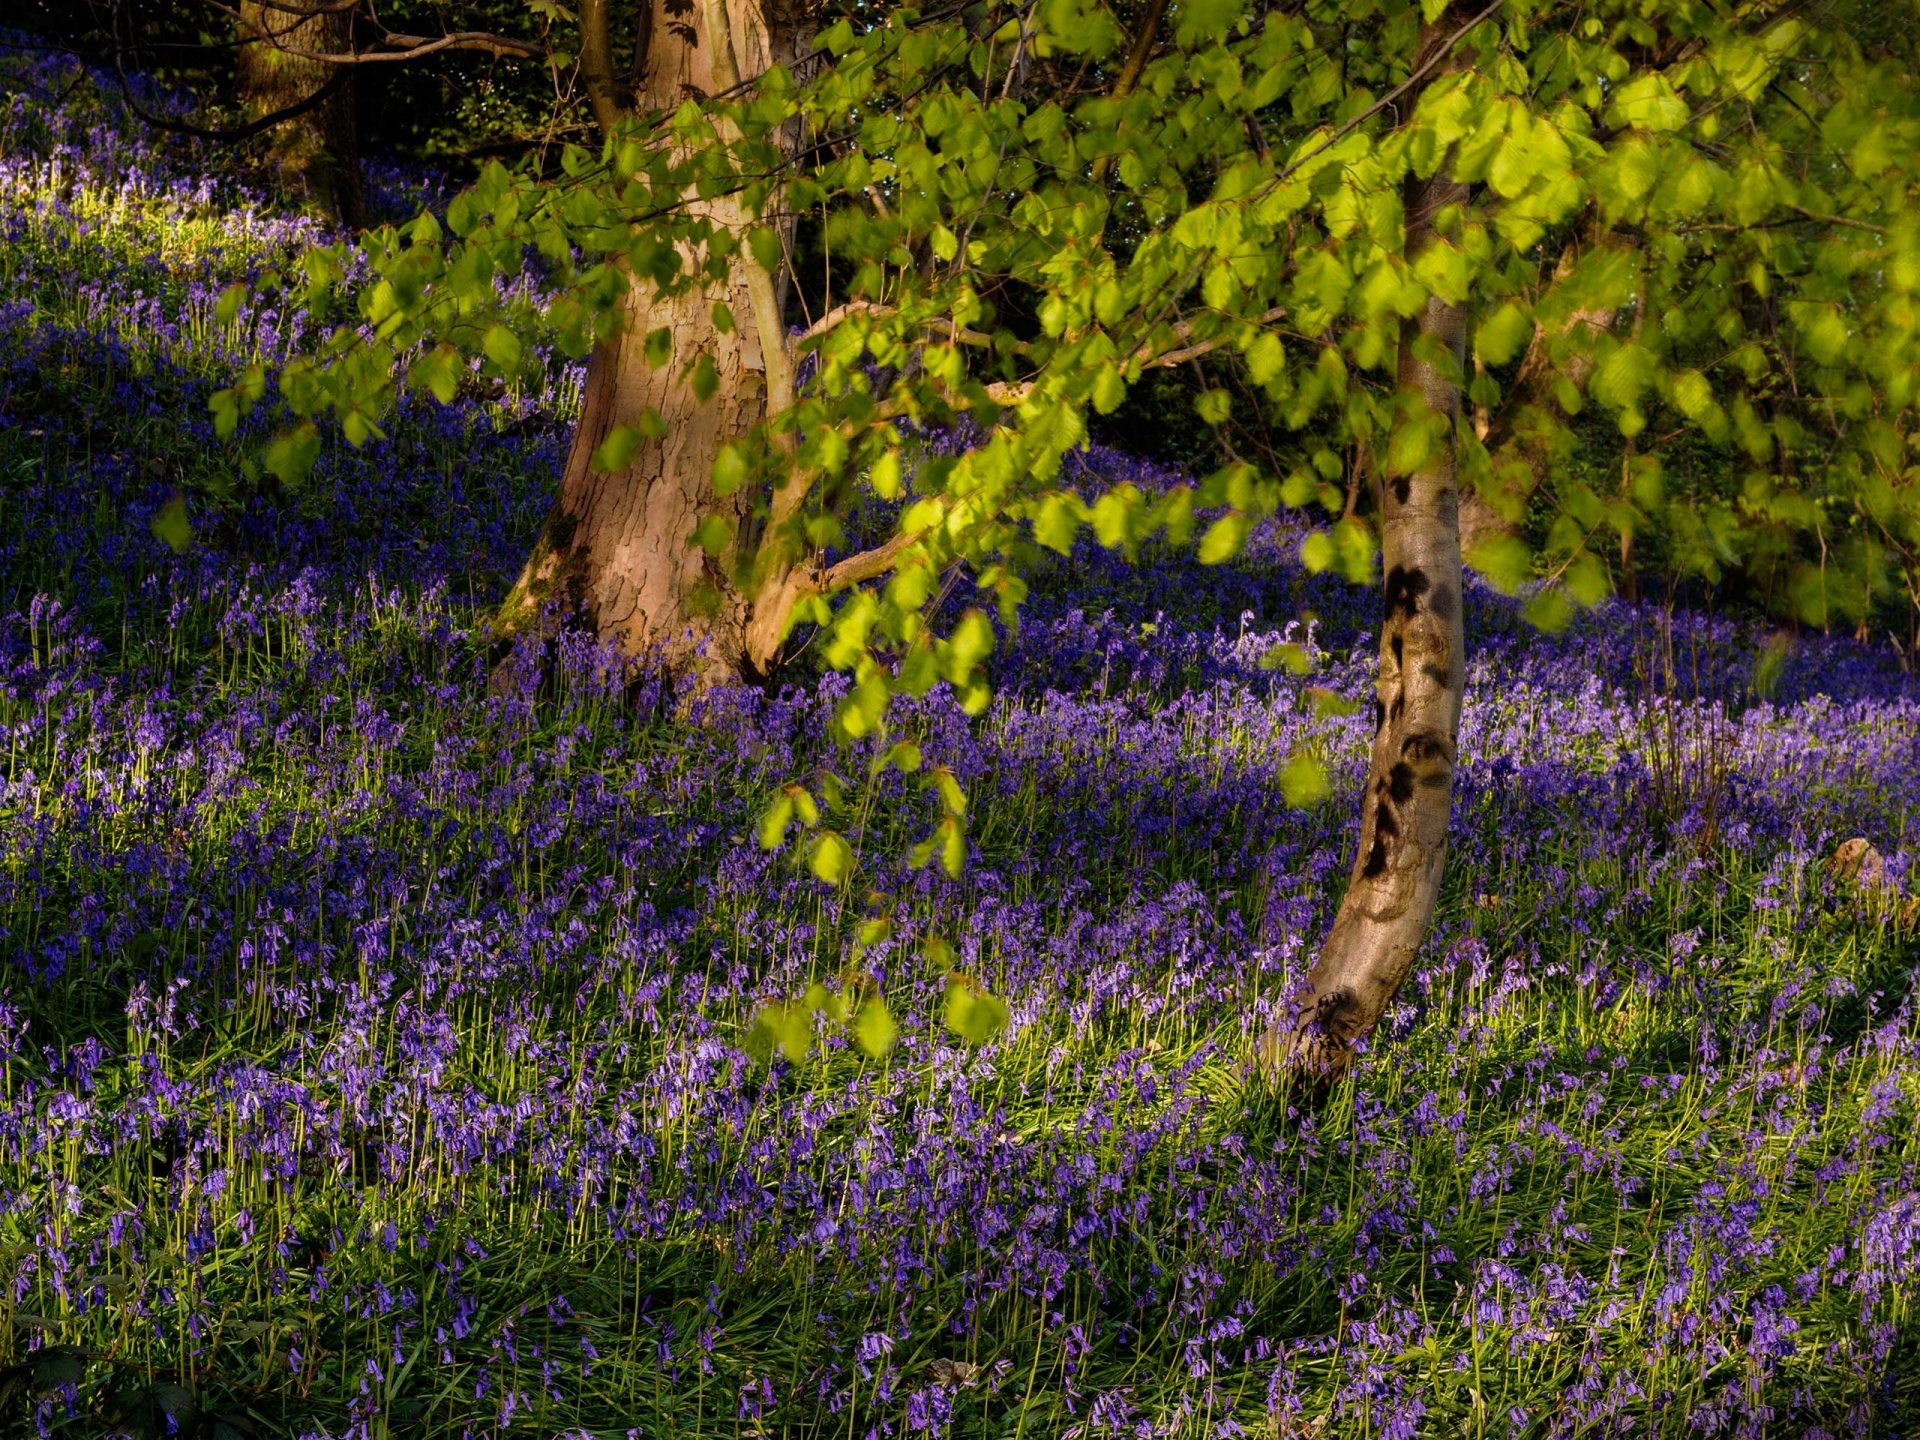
374	1044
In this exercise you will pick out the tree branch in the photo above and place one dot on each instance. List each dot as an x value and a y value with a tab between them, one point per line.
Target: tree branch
1181	330
1842	220
232	134
1130	72
838	313
867	565
1440	53
402	47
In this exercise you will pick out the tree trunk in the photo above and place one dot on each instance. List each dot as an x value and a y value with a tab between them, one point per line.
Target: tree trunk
1390	898
618	548
312	154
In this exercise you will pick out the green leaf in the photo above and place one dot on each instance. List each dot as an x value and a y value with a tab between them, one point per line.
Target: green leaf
973	1014
804	806
780	1027
1692	394
170	525
1354	550
1620	378
1586	580
1223	539
970	643
704	379
952	798
1328	704
865	707
774	821
953	841
358	429
502	347
1316	551
713	533
616	451
1205	20
58	1365
1548	609
1823	330
1266	358
227	409
1629	173
1057	521
659	347
1648	102
873	1028
731	469
1289	657
227	309
1446	271
291	454
765	248
1113	516
837	38
438	373
1498	338
1412	443
832	858
1505	561
1303	780
1514	164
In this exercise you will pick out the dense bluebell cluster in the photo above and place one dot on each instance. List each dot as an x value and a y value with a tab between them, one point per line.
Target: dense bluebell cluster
372	1034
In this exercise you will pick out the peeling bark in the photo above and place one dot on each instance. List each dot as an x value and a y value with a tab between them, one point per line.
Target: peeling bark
618	547
313	154
1404	808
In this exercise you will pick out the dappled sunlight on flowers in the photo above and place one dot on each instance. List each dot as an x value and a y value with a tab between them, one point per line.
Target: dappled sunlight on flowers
374	1043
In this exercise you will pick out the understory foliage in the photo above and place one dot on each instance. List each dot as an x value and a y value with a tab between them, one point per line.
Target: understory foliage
372	1043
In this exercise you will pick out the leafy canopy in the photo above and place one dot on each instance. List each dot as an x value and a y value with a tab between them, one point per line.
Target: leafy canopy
1022	224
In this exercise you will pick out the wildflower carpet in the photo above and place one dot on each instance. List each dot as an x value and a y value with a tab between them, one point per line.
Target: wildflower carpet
374	1036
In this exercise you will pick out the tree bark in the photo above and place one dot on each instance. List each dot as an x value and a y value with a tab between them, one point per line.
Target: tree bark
617	549
1404	807
313	154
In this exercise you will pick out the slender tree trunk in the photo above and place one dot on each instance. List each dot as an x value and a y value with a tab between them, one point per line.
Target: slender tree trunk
617	549
1404	808
312	154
